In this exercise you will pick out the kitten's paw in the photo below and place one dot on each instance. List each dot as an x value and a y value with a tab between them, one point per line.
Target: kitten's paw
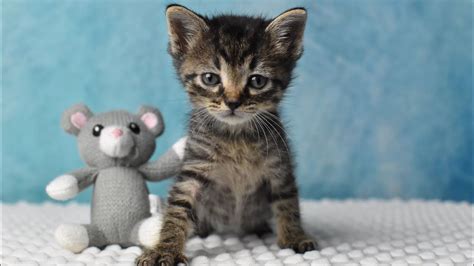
63	188
160	257
299	245
306	245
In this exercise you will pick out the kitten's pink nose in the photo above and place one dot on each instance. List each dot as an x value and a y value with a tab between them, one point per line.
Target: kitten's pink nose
117	133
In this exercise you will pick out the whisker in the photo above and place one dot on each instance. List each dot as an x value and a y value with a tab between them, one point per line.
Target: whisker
264	123
198	118
277	121
281	137
258	133
204	120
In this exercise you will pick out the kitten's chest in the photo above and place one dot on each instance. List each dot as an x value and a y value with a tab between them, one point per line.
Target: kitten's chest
239	165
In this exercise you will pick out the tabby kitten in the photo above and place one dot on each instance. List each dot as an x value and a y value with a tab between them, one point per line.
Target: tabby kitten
238	169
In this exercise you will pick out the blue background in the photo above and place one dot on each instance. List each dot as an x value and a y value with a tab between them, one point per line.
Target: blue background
381	106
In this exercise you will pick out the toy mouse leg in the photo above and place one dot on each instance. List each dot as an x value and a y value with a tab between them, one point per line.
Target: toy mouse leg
146	233
77	237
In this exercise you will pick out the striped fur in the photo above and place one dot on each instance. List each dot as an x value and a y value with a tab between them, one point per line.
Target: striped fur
238	167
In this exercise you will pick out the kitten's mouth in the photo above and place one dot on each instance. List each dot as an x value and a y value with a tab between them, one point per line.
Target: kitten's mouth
232	117
230	113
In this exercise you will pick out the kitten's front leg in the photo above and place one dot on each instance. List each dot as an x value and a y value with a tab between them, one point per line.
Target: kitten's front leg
178	221
285	206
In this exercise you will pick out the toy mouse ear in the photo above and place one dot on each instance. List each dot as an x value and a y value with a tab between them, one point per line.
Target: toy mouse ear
75	118
152	119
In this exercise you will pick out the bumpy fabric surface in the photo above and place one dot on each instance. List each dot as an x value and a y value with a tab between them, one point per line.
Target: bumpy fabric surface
357	232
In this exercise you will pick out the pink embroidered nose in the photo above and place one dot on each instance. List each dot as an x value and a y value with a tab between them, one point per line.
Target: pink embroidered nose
117	132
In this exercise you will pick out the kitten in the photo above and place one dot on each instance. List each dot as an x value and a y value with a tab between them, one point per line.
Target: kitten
238	170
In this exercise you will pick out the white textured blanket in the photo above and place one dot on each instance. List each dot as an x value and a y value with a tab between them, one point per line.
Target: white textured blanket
353	232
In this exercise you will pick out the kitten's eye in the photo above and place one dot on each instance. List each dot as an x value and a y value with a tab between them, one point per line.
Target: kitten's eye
134	128
210	79
97	129
257	81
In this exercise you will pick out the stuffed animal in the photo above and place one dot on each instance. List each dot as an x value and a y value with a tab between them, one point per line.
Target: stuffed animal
115	146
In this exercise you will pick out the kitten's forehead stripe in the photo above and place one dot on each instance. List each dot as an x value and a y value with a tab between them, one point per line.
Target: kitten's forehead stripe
253	63
216	62
239	37
225	54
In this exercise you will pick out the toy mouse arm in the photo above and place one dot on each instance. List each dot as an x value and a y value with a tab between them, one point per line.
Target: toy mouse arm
67	186
167	165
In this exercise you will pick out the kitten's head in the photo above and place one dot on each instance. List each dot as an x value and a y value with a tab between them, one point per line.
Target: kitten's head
235	67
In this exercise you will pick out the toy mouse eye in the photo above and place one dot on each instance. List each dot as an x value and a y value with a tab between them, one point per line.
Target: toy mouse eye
134	128
96	130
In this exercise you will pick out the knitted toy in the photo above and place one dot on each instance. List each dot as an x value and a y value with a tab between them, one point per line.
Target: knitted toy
116	146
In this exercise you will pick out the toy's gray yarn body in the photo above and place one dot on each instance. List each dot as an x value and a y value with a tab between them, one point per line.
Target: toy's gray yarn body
116	147
120	201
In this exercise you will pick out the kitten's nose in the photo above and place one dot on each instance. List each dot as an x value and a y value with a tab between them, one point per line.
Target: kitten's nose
233	104
117	132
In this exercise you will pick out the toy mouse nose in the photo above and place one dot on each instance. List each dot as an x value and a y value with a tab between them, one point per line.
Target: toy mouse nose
117	132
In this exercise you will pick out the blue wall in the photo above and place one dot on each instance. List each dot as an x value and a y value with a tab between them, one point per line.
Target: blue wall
381	106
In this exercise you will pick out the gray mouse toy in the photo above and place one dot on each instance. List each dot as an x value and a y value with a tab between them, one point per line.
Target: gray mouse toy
116	147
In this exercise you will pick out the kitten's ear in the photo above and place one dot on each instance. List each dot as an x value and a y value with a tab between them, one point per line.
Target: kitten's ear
184	26
286	32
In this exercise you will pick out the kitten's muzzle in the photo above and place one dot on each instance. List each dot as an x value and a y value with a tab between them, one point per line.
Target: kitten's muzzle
233	104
